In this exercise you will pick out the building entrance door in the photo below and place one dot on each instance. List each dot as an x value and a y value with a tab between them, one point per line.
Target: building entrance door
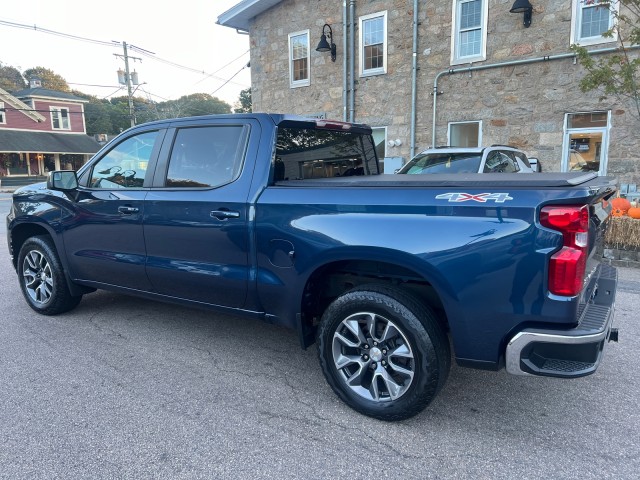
586	142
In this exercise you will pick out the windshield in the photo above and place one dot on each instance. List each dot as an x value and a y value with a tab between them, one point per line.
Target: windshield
443	163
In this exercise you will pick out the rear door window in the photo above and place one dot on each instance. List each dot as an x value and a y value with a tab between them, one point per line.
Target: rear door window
206	157
499	162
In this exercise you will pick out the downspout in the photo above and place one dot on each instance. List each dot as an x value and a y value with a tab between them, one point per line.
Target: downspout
526	61
352	50
345	92
414	75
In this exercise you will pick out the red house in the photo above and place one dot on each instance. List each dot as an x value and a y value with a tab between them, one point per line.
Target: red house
42	130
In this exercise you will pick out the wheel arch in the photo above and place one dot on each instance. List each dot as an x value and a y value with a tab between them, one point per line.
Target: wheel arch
21	232
333	275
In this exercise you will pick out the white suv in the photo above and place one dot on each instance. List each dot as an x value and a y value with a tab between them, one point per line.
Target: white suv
493	159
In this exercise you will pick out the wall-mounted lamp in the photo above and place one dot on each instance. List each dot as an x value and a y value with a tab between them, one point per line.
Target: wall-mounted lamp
394	143
324	46
523	6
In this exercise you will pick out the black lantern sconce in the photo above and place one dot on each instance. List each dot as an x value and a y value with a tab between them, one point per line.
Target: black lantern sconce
523	6
324	46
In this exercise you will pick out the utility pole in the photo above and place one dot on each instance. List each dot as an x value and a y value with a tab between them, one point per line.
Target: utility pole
128	78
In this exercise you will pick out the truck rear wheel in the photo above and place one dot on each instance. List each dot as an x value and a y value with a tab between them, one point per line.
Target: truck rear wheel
383	352
42	278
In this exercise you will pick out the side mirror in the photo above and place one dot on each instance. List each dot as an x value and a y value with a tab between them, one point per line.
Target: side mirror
63	180
535	164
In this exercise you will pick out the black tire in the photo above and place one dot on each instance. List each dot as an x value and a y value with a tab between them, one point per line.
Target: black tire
412	366
42	279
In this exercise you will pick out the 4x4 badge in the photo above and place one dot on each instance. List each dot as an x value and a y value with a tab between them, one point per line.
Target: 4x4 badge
478	197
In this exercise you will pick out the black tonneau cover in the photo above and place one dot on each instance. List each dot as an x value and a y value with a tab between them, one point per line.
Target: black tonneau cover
469	180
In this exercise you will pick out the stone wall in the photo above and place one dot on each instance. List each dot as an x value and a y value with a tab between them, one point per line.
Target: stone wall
522	105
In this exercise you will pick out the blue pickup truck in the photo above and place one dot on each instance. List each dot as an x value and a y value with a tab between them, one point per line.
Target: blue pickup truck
289	220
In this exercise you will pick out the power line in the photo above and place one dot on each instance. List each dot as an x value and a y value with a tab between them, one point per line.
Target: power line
91	85
113	93
232	77
142	51
53	32
223	67
152	56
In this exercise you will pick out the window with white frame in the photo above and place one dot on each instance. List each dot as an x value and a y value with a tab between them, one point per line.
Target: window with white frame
469	31
465	134
3	117
373	44
299	59
586	142
592	18
60	118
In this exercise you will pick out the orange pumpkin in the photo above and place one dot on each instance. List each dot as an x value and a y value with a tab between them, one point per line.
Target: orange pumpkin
634	212
621	203
616	212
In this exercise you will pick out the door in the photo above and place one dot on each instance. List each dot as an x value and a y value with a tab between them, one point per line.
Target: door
105	243
196	217
586	142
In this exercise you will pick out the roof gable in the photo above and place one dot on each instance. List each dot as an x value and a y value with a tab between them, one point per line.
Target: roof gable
240	15
21	106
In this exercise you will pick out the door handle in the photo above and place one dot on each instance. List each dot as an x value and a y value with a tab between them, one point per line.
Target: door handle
224	214
128	210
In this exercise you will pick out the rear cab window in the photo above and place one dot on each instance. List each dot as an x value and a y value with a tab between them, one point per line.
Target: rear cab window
303	153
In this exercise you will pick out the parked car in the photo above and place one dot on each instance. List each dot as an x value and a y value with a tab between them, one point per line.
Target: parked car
494	159
244	214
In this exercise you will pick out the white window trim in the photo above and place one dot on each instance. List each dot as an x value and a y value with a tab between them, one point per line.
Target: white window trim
606	134
576	17
3	114
59	110
372	71
479	122
385	139
307	81
455	60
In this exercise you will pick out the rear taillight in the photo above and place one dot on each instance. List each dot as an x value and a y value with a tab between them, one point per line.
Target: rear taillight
567	266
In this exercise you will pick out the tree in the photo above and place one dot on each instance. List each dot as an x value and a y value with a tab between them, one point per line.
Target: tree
144	111
193	105
96	114
50	79
11	79
616	74
244	105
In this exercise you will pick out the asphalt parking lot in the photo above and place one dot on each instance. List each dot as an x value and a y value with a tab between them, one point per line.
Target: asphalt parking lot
127	388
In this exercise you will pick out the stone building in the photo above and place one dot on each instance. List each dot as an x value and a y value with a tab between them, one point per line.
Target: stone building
497	80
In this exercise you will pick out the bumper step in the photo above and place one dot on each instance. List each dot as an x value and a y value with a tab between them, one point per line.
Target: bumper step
568	353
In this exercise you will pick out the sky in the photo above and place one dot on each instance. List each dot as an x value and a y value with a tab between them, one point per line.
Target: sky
183	32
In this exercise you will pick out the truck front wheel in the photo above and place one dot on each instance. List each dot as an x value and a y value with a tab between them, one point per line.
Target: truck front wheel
383	352
42	278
